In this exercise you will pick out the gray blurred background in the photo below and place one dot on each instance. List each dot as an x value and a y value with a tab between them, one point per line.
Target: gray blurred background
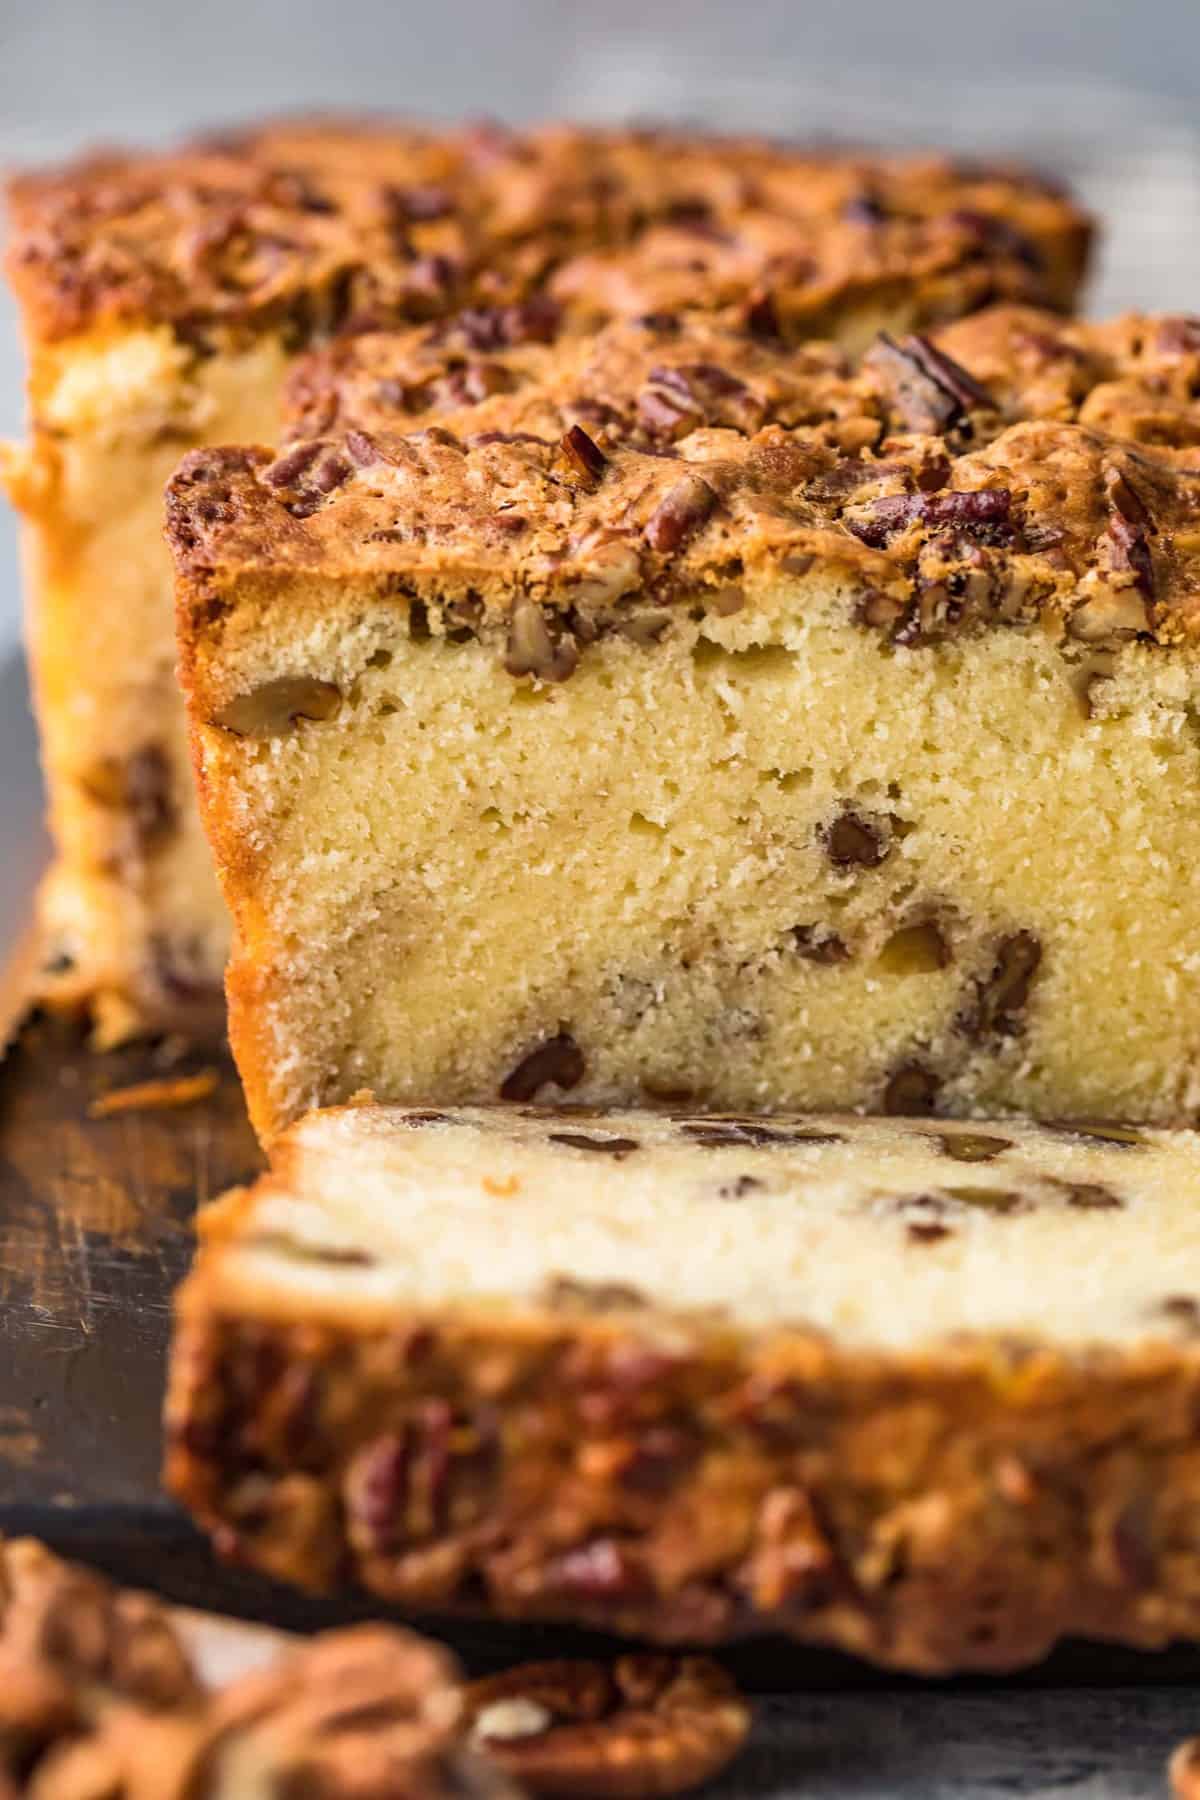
1103	90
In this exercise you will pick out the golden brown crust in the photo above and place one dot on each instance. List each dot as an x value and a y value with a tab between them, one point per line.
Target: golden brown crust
959	1508
333	223
1044	470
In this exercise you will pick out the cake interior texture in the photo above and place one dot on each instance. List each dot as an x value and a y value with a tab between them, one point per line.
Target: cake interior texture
164	295
890	1235
924	1390
132	919
835	761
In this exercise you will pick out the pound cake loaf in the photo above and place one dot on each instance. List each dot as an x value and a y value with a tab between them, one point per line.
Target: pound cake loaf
926	1391
695	716
164	296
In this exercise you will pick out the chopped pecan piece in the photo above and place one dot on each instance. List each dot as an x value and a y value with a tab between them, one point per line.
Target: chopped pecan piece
650	1726
683	509
398	1487
535	647
1001	997
1110	613
930	391
616	1147
973	1146
911	1092
981	514
273	708
1179	336
533	321
585	453
558	1060
140	786
852	841
761	319
820	944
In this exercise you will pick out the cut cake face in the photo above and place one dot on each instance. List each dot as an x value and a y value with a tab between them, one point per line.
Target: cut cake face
694	716
165	296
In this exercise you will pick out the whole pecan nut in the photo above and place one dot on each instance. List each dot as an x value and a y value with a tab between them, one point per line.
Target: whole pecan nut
647	1726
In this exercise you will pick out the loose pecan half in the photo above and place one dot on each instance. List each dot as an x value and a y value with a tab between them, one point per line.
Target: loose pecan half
652	1725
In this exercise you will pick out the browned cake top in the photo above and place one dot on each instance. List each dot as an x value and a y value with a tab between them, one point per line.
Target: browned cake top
322	225
1019	467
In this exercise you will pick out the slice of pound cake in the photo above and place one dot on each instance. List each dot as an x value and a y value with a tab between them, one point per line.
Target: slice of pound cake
925	1391
164	297
694	716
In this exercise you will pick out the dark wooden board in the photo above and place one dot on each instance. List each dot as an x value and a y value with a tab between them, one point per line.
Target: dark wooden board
94	1234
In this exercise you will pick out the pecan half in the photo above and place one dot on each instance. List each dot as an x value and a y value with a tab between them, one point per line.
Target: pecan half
276	706
930	391
980	514
369	1711
537	647
682	511
559	1060
652	1725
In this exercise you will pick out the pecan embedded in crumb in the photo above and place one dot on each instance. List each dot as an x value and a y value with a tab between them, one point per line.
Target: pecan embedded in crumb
616	1147
277	705
558	1060
138	785
820	944
973	1146
1001	996
537	647
650	1726
911	1092
1098	1131
853	841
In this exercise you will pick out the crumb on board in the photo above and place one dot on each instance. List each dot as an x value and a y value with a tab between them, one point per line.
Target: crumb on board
155	1096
